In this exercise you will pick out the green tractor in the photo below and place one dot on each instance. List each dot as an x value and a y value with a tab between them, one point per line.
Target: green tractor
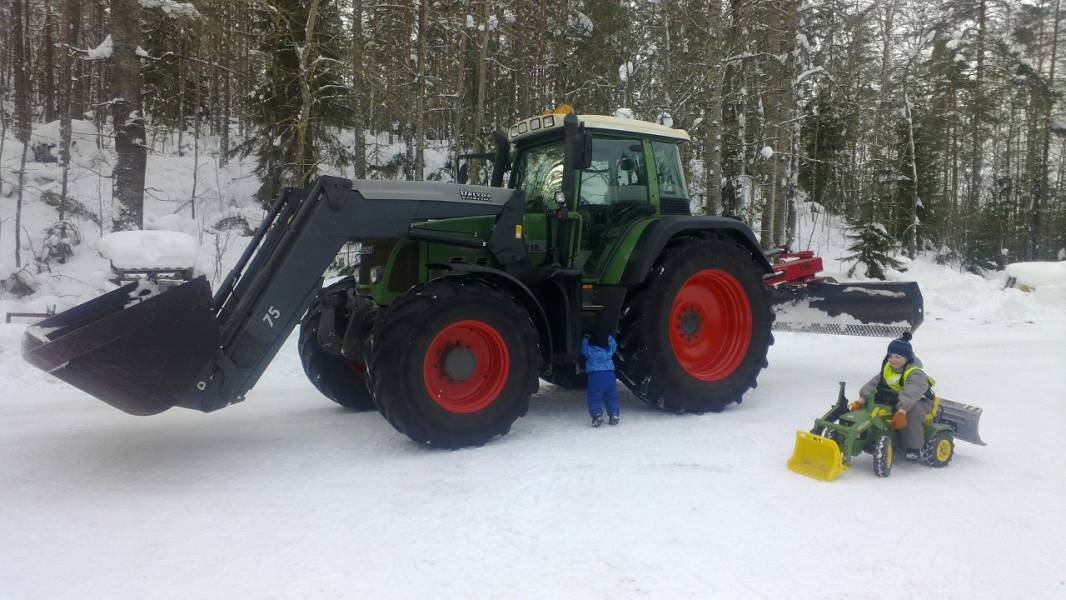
466	295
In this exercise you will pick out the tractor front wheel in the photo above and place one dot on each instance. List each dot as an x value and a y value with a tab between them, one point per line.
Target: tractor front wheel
454	363
341	380
883	455
695	335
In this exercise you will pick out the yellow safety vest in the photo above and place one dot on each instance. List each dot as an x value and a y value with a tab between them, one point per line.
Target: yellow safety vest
895	381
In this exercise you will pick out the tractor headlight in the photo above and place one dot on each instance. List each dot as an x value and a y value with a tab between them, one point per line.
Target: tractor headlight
376	274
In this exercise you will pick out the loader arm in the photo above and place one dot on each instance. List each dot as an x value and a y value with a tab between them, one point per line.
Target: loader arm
211	351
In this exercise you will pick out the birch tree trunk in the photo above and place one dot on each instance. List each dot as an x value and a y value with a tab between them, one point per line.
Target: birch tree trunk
358	93
978	116
68	80
420	110
912	232
482	83
712	152
308	63
23	111
1041	208
48	61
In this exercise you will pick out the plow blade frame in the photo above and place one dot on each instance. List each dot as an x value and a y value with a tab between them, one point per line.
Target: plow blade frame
878	309
143	358
816	457
964	419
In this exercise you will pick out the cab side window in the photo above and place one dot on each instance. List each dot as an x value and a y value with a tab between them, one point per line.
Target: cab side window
617	175
668	171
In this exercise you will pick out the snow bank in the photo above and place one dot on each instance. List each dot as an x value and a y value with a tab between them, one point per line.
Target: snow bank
1038	273
149	249
172	222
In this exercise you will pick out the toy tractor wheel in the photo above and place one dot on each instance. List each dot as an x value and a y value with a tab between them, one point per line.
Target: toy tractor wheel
694	336
883	455
454	363
339	379
939	450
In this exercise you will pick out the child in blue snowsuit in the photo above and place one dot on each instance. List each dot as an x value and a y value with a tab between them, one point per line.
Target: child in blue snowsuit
600	368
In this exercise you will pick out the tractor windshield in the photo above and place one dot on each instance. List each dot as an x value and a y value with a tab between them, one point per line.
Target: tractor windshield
538	172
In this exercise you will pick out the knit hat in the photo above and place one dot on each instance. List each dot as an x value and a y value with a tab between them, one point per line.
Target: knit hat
902	346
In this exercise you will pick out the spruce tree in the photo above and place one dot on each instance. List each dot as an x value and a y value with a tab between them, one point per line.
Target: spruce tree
872	247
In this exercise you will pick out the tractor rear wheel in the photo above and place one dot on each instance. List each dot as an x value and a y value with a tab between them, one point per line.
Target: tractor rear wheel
339	379
454	363
695	335
939	450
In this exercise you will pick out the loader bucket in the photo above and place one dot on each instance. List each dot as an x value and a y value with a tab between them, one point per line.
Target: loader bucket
816	457
877	309
140	351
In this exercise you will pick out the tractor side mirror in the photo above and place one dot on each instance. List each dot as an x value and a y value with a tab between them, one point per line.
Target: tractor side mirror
463	174
577	152
578	143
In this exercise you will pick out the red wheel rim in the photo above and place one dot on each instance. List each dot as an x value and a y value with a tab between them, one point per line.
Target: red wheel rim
710	325
466	366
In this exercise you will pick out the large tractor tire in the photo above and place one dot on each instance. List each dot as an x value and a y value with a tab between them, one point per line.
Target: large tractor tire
695	335
454	363
339	379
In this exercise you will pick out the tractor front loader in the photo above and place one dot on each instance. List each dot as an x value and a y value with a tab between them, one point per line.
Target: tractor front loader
464	294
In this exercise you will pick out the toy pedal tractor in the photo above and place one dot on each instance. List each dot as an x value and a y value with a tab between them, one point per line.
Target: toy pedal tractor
843	434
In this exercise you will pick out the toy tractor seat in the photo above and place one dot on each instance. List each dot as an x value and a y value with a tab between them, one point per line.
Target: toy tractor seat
934	413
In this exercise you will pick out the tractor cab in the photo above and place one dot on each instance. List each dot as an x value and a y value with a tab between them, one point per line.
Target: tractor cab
623	174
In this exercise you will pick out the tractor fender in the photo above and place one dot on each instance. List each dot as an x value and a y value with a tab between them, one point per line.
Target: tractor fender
516	288
659	234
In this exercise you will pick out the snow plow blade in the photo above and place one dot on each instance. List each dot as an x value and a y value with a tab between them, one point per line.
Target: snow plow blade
879	309
816	457
139	351
964	419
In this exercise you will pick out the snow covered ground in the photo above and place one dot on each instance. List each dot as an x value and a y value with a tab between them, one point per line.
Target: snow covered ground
286	495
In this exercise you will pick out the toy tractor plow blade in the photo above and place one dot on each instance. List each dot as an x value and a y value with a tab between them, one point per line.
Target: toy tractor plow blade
878	309
816	457
963	419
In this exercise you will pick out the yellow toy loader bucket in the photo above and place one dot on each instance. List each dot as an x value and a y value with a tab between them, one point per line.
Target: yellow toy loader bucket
816	457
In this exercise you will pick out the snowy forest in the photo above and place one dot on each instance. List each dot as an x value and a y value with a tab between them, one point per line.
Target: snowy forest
932	127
